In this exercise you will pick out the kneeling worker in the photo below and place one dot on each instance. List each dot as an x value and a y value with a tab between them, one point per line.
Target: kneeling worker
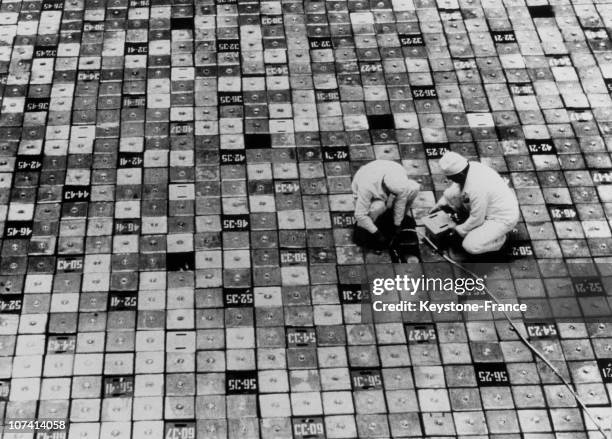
383	194
479	193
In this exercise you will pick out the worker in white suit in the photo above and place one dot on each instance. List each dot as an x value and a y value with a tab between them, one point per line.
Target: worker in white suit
383	194
481	194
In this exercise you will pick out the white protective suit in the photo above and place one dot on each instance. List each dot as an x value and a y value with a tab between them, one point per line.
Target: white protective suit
492	206
381	185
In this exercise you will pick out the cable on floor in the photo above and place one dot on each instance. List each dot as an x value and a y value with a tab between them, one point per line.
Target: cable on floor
538	354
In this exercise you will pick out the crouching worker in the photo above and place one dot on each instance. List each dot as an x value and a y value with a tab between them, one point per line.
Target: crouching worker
383	194
480	194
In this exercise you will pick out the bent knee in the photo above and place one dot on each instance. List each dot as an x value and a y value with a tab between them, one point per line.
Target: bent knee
475	246
472	248
377	208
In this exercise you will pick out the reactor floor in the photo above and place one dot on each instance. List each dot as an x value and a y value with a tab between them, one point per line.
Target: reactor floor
176	218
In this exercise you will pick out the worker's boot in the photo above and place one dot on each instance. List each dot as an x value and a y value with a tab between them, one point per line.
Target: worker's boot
363	238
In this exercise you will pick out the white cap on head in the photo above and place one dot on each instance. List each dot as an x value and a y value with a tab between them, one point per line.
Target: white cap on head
452	163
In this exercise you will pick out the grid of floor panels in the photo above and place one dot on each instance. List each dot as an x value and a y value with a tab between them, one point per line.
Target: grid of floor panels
176	216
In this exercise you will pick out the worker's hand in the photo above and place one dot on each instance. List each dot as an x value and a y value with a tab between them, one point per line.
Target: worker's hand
435	209
457	231
380	242
452	228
